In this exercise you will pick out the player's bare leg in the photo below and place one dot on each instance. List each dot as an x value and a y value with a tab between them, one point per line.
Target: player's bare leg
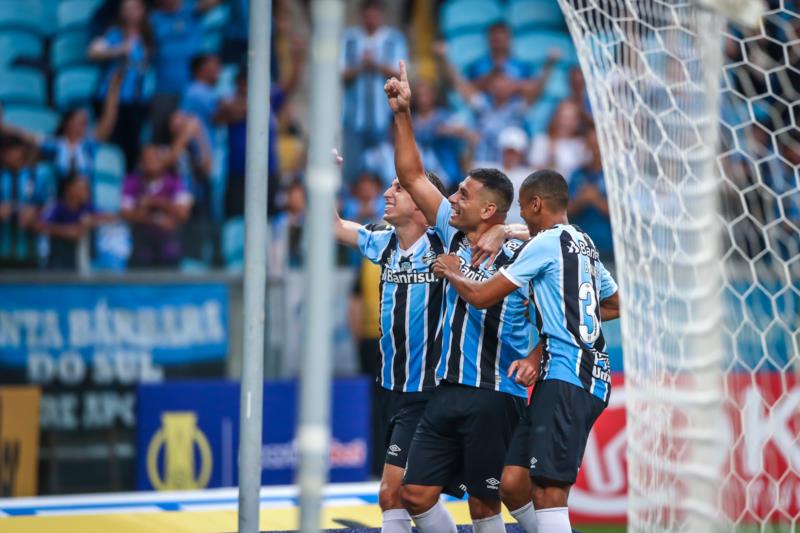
550	499
516	492
422	503
395	518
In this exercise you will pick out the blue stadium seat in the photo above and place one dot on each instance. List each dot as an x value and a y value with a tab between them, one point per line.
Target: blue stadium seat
76	13
212	42
24	16
69	49
464	49
534	47
526	15
15	44
458	16
22	85
75	86
215	19
37	118
233	244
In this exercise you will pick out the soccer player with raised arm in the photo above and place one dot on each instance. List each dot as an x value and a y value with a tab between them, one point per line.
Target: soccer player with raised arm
572	294
410	323
469	421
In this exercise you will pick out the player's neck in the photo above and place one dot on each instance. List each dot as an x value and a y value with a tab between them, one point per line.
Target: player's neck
408	234
473	236
553	219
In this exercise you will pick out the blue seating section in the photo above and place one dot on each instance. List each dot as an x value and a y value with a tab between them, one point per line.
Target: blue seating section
16	44
75	86
22	85
461	16
40	119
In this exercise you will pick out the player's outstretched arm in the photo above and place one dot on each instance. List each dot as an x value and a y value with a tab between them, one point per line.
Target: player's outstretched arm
346	231
609	308
407	161
478	294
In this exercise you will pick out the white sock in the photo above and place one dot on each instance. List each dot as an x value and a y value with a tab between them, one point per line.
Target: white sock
553	520
526	517
435	520
396	521
493	524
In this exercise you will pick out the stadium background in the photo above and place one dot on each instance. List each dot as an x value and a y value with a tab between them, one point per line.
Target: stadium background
130	343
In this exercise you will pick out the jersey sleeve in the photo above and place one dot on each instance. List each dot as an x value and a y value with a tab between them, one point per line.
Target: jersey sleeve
529	261
443	227
607	284
373	240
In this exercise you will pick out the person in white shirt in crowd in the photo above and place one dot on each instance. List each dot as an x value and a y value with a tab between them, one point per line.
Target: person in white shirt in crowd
563	147
513	145
370	54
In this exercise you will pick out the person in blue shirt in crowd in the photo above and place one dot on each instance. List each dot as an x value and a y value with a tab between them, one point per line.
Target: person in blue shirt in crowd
369	55
237	133
177	35
67	220
23	193
588	204
75	144
126	47
498	60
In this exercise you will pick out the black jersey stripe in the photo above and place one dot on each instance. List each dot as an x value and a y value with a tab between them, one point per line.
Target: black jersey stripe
570	293
491	335
400	330
433	346
454	355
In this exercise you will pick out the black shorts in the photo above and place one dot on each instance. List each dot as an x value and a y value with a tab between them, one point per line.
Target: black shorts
464	434
401	411
551	436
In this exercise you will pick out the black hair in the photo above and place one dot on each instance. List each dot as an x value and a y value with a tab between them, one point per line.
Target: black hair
198	61
498	183
368	4
65	118
548	185
11	141
499	25
433	178
65	183
241	75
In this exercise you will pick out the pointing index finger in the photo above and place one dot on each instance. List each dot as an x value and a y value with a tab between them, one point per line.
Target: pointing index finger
403	74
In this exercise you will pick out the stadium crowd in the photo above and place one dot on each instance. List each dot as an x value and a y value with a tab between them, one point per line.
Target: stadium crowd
149	149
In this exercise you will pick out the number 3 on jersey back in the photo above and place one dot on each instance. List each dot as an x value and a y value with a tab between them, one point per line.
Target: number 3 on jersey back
590	321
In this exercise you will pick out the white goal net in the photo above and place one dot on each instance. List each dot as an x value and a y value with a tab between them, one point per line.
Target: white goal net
698	123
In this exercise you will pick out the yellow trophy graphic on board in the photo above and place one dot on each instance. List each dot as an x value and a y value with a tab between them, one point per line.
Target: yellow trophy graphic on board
178	436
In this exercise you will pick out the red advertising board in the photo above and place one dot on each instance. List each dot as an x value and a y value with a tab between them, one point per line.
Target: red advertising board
763	482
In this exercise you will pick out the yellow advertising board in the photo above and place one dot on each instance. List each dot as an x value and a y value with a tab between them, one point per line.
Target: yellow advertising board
19	440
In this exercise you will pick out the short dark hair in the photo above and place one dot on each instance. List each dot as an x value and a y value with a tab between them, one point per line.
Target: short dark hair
198	61
433	178
499	25
371	4
498	183
548	185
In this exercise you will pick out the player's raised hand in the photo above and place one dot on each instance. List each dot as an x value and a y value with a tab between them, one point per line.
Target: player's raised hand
446	265
398	92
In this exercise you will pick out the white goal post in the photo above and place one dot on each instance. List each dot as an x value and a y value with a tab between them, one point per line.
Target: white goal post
697	118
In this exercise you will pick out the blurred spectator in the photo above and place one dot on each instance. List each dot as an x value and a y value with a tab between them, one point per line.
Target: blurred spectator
513	144
287	228
370	54
563	147
578	93
191	160
588	204
438	135
74	147
126	48
498	61
236	117
201	98
156	204
67	220
178	38
366	203
22	195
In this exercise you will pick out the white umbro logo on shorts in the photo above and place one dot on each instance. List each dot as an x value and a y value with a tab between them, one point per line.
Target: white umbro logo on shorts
492	483
393	449
533	462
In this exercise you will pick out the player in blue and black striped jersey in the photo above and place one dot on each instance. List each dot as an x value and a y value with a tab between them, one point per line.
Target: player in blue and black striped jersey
411	303
468	423
572	293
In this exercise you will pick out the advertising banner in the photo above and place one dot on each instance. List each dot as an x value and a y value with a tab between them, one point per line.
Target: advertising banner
19	440
88	346
188	433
